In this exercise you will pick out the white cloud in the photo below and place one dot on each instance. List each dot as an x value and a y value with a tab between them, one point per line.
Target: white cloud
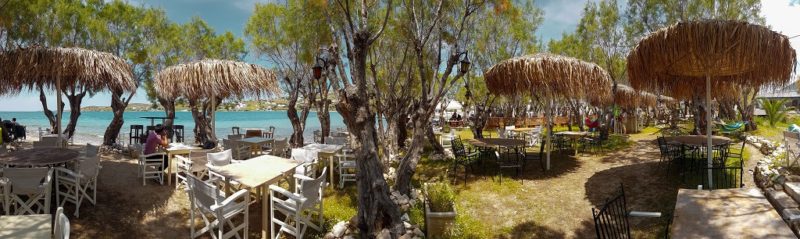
248	5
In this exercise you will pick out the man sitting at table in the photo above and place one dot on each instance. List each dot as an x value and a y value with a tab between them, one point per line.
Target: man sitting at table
156	138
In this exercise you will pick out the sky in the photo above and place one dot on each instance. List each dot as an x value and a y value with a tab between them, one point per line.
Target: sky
232	15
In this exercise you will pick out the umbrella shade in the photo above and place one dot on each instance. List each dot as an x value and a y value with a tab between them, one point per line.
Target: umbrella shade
548	74
215	78
729	51
33	66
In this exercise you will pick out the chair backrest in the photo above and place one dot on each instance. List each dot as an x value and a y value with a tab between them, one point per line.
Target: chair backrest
235	130
724	177
61	228
304	155
203	194
199	156
89	166
91	150
336	140
220	159
312	189
279	147
235	137
27	180
272	129
611	220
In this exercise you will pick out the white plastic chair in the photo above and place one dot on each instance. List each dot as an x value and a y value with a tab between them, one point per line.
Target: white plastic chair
151	167
33	183
81	184
217	211
446	138
308	160
195	164
61	227
299	207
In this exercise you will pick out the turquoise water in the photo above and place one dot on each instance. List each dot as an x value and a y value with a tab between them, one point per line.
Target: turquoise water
92	125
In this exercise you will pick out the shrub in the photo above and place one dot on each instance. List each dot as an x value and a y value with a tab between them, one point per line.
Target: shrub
440	197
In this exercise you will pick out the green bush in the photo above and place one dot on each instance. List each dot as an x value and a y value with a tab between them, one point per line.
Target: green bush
440	197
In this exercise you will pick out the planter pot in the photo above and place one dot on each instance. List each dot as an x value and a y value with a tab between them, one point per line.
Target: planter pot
438	223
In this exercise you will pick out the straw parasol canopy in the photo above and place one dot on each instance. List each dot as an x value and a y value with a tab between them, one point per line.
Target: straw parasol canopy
215	78
543	74
59	68
682	56
31	66
548	76
729	51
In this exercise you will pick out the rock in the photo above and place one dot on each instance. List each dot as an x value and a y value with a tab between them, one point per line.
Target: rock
405	217
793	190
404	207
384	234
406	236
349	237
418	232
793	178
786	214
407	225
329	236
339	229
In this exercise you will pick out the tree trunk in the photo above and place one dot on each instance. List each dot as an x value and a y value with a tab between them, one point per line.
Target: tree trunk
74	112
401	129
297	126
375	209
118	106
51	117
202	122
169	111
324	116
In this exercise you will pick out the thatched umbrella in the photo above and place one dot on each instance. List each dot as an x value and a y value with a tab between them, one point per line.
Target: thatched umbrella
681	56
60	67
214	79
548	76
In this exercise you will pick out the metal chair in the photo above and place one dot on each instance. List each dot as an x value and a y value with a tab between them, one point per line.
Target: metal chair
462	157
179	133
136	133
511	159
611	220
235	130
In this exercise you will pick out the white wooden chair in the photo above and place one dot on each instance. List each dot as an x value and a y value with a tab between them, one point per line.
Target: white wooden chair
308	160
446	138
61	226
346	161
217	211
280	148
195	164
4	186
299	208
79	185
34	184
150	166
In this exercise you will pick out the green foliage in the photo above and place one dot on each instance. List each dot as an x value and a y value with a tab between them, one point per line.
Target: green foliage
775	109
440	197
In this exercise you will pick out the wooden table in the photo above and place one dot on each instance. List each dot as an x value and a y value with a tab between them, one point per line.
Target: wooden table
26	226
255	142
40	157
173	150
260	171
329	150
496	142
697	140
726	213
574	137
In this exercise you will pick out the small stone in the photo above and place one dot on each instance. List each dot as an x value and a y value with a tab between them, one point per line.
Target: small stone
407	225
385	234
406	236
404	207
418	232
405	217
329	236
349	237
339	229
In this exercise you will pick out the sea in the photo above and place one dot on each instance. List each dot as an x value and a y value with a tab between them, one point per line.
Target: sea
92	124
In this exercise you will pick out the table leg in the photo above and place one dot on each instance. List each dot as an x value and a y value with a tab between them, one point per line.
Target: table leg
265	213
330	168
169	168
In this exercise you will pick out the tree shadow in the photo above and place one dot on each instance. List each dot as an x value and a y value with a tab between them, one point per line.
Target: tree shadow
531	229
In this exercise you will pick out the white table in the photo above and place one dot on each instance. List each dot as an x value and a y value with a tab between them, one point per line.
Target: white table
330	150
26	226
260	171
176	149
726	213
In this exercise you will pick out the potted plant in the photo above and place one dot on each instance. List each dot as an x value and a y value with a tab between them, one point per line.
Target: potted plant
440	211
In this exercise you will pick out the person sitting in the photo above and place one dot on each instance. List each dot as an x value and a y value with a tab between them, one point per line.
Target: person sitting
454	116
592	125
155	139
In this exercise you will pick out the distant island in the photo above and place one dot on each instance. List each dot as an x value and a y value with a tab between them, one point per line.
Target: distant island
249	105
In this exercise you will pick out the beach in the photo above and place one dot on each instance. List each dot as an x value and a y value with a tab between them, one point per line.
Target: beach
92	124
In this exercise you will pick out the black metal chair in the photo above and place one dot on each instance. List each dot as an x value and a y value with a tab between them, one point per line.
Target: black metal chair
512	158
723	177
235	130
178	131
463	157
135	132
737	155
611	220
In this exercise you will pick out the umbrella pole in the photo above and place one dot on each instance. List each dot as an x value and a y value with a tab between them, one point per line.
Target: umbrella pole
548	114
709	150
214	115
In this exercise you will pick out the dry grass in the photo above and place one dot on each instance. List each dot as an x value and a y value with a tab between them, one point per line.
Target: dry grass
220	78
